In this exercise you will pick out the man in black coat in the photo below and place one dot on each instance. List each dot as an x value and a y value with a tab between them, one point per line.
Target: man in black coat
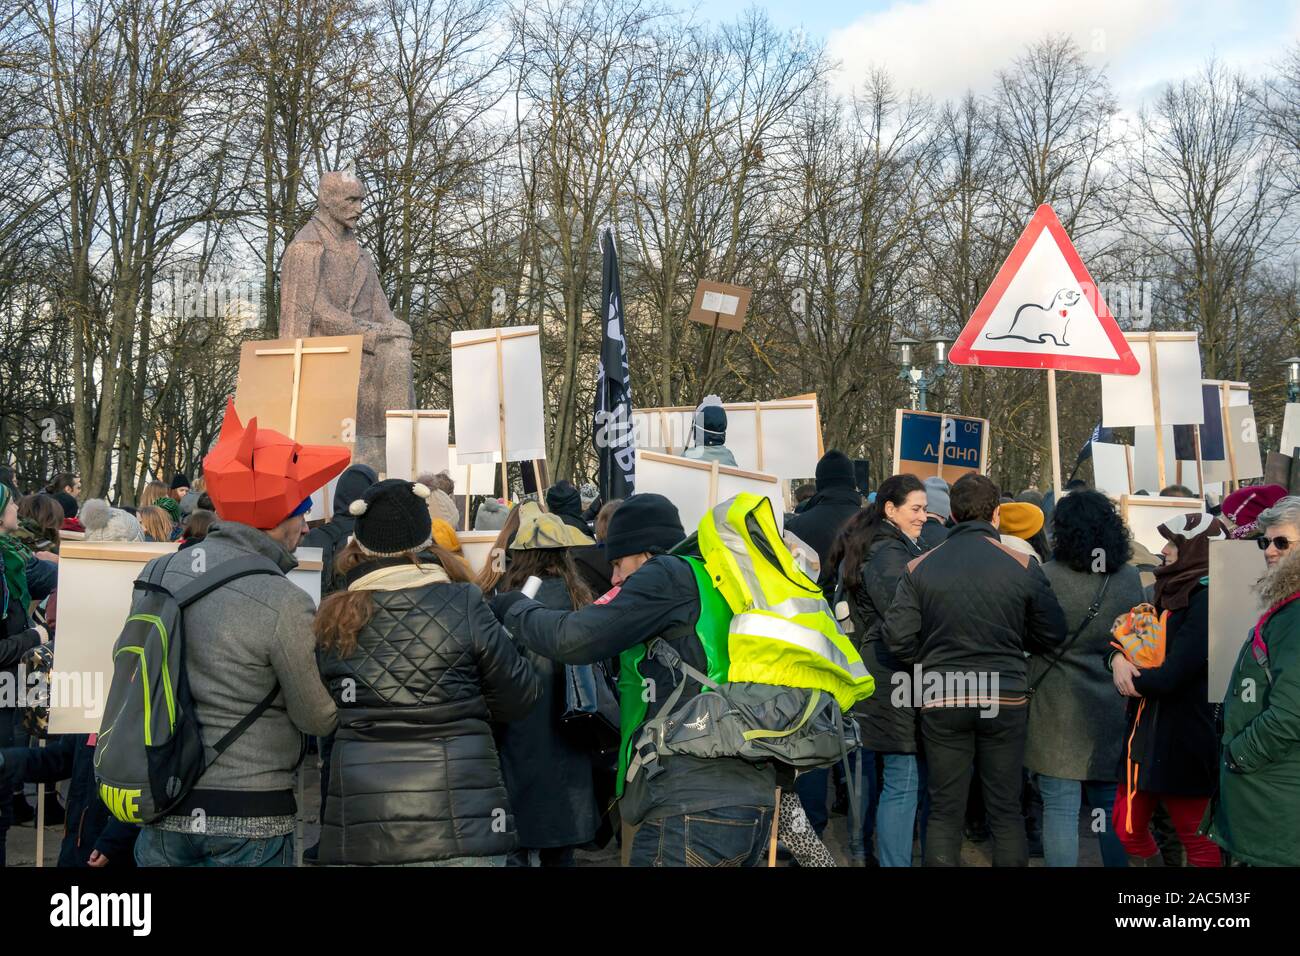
818	524
965	614
690	811
565	502
92	836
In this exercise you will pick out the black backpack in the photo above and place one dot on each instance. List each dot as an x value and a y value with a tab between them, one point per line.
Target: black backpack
149	753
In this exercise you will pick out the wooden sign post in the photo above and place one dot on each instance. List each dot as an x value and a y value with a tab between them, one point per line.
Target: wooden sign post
417	442
328	369
718	305
509	377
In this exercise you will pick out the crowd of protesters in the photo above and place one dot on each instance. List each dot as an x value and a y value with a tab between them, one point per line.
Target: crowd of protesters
436	695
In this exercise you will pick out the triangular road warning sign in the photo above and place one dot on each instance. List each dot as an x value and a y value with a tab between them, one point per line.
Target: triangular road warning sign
1044	311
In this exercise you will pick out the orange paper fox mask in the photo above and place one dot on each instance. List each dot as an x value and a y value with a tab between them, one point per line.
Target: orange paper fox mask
259	476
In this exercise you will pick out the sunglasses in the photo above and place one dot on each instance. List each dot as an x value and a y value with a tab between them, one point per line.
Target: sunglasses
1280	543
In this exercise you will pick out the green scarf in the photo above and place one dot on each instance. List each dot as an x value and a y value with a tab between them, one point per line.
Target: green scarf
15	562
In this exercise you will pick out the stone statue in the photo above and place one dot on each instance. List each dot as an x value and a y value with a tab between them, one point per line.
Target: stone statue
329	286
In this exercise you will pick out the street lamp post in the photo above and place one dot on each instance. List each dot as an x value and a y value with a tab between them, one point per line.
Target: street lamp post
919	382
1292	378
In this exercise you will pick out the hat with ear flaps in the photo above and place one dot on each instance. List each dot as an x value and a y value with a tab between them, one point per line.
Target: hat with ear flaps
258	477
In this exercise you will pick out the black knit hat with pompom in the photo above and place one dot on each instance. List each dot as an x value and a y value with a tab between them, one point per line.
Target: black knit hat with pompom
392	518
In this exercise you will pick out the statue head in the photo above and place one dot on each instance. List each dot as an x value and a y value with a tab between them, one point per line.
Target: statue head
340	198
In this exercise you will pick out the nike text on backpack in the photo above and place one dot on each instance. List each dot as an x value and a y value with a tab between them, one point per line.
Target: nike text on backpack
149	753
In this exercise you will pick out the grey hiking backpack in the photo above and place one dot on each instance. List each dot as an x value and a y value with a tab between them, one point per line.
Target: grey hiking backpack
149	752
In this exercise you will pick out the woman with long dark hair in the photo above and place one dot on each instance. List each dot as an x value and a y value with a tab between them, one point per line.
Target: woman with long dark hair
548	774
1170	745
419	668
870	555
1076	720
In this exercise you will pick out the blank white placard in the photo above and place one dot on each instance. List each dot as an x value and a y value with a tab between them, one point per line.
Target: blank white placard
1126	399
472	479
1290	429
96	581
1235	566
1145	515
322	502
476	548
475	394
730	485
685	486
1110	469
427	436
1145	475
1245	442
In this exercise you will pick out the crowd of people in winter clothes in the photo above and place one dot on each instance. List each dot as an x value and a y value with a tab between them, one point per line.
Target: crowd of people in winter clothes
438	696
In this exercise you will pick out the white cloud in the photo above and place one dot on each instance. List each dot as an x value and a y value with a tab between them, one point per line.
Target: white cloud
945	47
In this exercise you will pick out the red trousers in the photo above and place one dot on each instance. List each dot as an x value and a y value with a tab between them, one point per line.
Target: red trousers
1186	814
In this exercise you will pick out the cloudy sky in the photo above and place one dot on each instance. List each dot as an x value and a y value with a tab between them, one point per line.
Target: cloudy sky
943	47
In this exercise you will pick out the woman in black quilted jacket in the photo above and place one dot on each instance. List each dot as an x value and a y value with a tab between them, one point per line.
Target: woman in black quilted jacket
419	668
870	555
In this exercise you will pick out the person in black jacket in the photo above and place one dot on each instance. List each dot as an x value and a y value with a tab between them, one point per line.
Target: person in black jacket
689	811
18	634
819	521
331	538
565	502
333	535
965	614
419	668
938	511
870	556
1171	743
548	774
92	836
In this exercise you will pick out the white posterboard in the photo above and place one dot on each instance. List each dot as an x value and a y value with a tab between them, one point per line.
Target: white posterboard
416	442
1129	399
1146	477
322	502
95	590
1242	440
472	479
1112	469
1290	429
1144	514
476	548
696	486
781	437
1235	566
497	395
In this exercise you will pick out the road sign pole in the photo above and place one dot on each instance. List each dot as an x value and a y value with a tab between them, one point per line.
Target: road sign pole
1056	438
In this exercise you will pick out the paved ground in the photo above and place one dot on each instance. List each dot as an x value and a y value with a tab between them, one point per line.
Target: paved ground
22	840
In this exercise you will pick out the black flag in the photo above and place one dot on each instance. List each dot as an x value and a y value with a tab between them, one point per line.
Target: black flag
615	445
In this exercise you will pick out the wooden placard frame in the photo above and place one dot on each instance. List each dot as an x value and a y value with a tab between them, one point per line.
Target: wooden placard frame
720	320
259	399
808	400
415	415
500	335
898	437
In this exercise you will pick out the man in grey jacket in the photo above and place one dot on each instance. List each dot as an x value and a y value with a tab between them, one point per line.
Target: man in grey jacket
244	639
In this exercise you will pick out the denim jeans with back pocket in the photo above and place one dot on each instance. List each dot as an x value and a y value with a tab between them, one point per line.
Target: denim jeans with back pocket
725	836
168	848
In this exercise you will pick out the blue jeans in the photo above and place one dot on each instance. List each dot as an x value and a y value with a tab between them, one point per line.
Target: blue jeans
167	848
811	786
1061	803
725	836
896	813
